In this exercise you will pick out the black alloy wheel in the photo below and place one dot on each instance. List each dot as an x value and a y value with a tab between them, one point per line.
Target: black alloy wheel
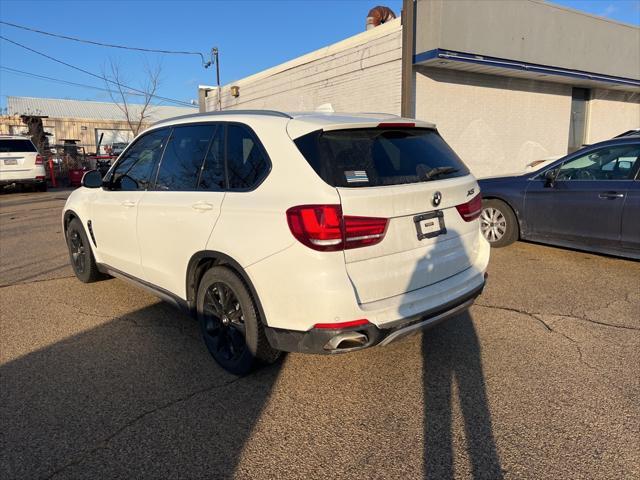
230	322
77	251
80	254
224	328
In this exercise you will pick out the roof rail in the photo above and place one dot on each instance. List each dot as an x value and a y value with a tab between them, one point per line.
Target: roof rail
271	113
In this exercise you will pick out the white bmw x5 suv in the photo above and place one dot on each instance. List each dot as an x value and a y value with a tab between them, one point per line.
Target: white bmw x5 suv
309	232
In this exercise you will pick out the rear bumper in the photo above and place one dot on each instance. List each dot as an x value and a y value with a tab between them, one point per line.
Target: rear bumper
331	341
22	181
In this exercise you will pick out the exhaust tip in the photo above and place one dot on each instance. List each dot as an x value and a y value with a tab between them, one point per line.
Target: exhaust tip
347	341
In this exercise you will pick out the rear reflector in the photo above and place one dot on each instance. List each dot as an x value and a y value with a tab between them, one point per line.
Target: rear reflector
339	325
39	160
324	228
40	177
471	210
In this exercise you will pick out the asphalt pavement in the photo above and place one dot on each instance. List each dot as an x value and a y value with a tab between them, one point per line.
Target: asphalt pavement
541	379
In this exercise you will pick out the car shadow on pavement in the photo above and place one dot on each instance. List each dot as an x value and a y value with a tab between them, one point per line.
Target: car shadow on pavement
451	356
137	396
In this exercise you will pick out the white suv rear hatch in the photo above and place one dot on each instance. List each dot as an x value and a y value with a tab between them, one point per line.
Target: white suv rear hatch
17	159
411	177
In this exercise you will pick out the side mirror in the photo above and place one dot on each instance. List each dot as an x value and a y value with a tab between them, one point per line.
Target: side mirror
92	179
550	177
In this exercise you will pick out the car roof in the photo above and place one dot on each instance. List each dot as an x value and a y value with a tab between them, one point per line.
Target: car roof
14	137
300	123
611	141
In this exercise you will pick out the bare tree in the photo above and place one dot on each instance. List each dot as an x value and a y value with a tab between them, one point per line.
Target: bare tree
135	114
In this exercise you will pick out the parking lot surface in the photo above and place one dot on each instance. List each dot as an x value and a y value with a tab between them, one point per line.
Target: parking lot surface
541	379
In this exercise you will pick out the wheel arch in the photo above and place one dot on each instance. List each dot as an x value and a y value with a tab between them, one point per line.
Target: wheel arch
201	261
67	217
510	205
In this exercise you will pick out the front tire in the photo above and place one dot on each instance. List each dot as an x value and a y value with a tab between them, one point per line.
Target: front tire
230	322
82	260
498	223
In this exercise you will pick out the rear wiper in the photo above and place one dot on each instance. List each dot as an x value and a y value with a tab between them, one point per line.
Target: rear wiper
434	172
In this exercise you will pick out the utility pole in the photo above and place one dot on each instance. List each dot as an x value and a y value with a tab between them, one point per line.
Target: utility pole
216	59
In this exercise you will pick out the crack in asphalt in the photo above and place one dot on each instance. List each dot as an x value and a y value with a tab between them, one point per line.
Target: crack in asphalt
549	327
105	441
572	340
7	285
562	315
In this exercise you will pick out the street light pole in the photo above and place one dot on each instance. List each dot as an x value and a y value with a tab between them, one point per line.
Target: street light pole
214	52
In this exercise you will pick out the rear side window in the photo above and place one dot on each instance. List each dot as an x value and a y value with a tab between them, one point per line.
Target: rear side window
133	171
16	145
372	157
183	157
247	163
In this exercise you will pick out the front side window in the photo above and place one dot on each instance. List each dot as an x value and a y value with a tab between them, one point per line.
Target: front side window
246	162
609	163
133	171
183	157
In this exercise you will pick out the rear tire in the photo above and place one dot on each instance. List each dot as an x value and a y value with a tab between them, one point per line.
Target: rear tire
230	322
498	223
41	187
80	253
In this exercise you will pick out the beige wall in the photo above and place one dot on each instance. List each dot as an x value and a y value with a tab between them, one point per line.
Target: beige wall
359	74
611	113
531	31
496	124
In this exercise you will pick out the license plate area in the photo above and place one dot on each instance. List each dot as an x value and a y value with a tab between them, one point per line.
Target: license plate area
430	224
11	161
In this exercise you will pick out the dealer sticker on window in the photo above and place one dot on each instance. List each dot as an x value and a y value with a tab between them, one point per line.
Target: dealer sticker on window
356	176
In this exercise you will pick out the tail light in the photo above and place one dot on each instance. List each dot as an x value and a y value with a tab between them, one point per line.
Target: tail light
472	209
324	228
39	160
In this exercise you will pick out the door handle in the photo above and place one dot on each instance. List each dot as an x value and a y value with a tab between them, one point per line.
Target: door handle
128	204
202	206
610	195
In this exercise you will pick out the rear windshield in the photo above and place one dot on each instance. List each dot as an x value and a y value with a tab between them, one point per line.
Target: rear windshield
372	157
16	145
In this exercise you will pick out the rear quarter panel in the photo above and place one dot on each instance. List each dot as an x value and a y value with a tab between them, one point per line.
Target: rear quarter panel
253	224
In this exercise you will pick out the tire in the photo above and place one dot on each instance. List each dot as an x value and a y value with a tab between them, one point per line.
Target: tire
80	254
498	223
41	187
230	323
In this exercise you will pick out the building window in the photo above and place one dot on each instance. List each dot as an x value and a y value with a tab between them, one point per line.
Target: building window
578	120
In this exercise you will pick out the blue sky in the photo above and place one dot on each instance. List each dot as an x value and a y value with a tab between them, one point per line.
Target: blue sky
251	36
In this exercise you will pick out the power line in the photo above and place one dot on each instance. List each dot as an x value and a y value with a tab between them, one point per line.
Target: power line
59	80
205	63
172	100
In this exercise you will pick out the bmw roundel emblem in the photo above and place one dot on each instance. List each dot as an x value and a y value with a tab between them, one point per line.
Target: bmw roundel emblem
437	198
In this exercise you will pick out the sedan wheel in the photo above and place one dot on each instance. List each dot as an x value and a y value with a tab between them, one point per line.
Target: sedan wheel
493	224
498	223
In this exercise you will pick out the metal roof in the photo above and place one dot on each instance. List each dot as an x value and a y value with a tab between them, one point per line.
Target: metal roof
59	108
